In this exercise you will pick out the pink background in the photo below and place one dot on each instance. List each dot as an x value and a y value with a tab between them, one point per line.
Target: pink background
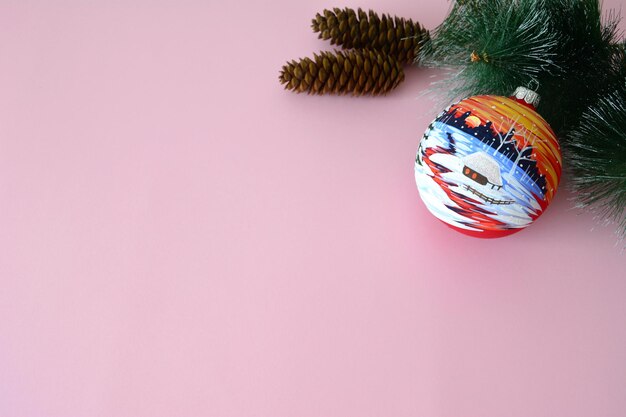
181	237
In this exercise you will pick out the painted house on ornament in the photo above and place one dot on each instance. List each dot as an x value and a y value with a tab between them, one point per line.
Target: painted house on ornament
484	171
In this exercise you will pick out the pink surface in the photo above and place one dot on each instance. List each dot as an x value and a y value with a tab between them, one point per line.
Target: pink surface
181	237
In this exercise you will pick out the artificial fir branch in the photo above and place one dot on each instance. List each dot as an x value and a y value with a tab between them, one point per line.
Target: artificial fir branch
359	72
588	59
596	152
348	28
496	45
562	46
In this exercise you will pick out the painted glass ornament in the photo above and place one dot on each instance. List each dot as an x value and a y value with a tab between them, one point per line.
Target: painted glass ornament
489	166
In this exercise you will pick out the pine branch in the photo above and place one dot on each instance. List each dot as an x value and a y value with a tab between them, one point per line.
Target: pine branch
561	46
596	152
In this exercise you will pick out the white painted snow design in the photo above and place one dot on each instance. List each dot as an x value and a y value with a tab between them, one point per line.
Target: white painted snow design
517	187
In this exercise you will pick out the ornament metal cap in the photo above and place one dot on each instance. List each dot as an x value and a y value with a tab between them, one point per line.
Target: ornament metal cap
528	95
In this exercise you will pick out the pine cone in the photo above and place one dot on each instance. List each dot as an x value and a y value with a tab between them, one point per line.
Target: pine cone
395	36
358	72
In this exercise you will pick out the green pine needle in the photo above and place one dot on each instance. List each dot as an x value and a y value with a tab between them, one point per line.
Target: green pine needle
562	47
596	152
496	45
587	55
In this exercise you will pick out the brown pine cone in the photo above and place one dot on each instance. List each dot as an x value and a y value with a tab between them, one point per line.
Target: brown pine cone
394	36
358	72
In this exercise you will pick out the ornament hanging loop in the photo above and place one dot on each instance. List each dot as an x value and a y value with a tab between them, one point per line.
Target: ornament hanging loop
533	84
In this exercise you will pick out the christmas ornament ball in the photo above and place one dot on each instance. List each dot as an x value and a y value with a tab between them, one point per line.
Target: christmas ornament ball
489	166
